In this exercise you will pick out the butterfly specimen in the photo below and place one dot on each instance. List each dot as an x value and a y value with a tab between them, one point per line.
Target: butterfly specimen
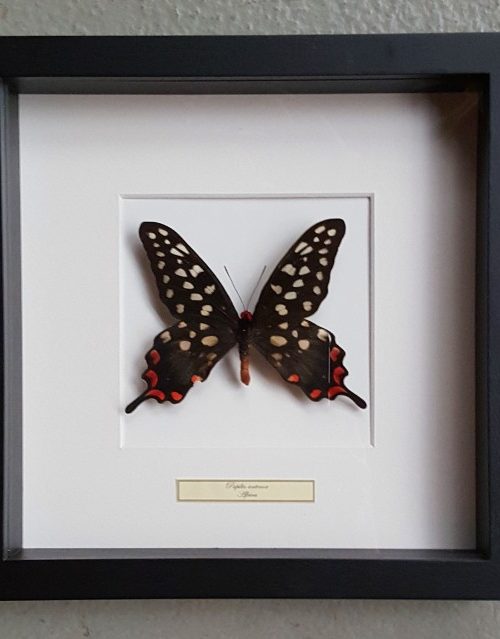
208	326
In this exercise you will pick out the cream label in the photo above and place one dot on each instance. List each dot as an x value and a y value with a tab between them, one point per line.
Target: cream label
251	490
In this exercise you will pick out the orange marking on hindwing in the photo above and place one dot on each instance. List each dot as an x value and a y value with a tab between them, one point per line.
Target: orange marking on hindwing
293	378
157	394
154	356
196	378
314	394
338	374
152	378
334	353
176	396
333	391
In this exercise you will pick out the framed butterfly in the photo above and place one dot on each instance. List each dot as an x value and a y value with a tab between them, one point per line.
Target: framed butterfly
303	353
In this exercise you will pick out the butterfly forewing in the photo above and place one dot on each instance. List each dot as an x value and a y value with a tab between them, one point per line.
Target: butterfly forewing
186	285
299	283
306	355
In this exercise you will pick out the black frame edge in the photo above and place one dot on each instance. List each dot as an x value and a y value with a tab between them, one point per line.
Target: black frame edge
414	62
11	442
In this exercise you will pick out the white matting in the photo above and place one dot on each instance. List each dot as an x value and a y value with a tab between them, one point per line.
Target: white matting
79	155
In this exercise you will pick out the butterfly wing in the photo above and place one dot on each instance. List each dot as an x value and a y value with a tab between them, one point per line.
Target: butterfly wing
186	285
207	328
181	356
307	356
299	283
302	352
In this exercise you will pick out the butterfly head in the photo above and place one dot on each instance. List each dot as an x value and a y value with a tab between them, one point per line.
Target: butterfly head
246	316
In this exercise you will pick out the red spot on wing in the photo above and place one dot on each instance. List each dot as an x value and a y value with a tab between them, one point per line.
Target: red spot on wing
333	391
152	378
157	394
314	394
246	315
196	378
154	356
338	374
176	396
334	353
293	378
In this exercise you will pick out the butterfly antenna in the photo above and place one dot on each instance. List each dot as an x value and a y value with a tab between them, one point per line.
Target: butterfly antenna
256	286
231	280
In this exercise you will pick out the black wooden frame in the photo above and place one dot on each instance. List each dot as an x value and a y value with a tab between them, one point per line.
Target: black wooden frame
257	64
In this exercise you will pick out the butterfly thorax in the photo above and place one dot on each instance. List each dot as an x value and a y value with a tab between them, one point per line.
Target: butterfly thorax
244	329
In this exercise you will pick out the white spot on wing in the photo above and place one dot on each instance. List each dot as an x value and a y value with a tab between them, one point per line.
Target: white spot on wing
169	293
209	340
196	297
298	284
163	232
292	295
187	284
307	306
174	251
319	229
180	308
152	236
304	270
307	250
165	336
277	340
161	265
181	272
303	344
332	232
184	345
276	288
195	270
323	261
209	289
281	309
300	246
289	269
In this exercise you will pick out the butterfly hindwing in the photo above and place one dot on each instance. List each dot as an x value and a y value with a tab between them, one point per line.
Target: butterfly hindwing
186	285
182	355
306	355
299	283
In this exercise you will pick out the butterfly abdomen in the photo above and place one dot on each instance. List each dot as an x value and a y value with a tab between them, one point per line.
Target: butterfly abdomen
244	329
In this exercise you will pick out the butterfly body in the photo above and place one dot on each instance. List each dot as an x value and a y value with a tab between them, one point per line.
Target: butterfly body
244	337
208	326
